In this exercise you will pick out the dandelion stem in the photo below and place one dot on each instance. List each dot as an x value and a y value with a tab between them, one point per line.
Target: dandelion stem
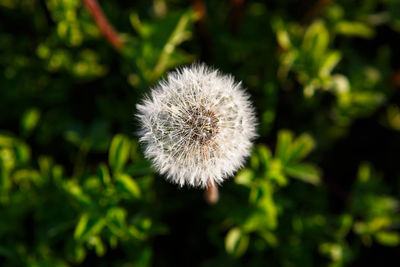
105	27
211	194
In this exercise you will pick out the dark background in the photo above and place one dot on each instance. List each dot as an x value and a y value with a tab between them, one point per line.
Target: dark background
324	77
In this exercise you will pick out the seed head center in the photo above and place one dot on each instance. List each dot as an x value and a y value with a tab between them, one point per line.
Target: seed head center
201	125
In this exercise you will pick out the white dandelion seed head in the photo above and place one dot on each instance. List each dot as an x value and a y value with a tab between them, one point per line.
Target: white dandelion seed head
197	126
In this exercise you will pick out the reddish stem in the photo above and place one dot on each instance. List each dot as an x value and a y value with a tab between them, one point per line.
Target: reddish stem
396	79
236	14
105	27
315	11
199	8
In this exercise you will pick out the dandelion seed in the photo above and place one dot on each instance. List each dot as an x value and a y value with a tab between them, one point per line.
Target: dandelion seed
197	126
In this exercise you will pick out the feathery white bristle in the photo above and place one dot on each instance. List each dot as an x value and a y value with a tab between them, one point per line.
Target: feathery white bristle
197	126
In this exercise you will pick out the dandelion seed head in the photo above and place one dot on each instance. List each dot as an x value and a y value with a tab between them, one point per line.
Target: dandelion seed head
197	126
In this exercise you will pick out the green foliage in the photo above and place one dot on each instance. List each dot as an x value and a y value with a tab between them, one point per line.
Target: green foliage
321	187
89	206
376	211
157	49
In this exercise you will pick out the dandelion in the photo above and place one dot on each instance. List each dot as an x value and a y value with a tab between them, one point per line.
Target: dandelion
197	126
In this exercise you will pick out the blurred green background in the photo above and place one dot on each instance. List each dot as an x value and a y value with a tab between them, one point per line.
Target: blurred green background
322	186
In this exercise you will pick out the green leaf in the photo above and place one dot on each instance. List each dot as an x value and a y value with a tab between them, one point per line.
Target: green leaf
269	237
236	242
24	176
267	204
22	153
329	63
92	184
179	35
305	172
143	30
76	191
300	148
6	140
244	177
119	152
29	121
275	172
283	38
260	157
333	250
388	238
116	218
283	145
45	165
139	168
364	173
128	184
345	224
88	227
104	174
98	246
117	215
81	226
353	28
316	39
79	253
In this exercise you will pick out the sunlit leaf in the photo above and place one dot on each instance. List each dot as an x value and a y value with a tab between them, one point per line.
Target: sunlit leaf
81	226
329	63
283	145
128	184
29	121
388	238
88	227
104	174
353	28
300	148
22	153
236	242
244	177
119	152
139	168
305	172
316	39
179	35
